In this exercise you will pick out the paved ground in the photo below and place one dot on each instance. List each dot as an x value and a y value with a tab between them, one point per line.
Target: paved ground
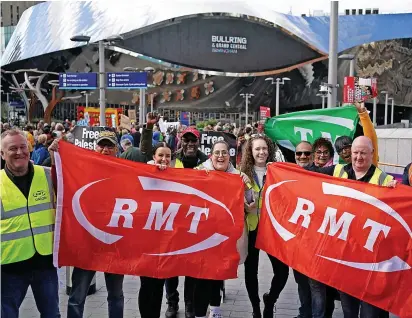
236	303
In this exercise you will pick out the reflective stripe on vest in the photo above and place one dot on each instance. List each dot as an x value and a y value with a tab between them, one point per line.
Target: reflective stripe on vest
379	177
410	175
27	225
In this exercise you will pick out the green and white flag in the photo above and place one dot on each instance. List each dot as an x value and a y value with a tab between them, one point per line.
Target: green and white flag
289	129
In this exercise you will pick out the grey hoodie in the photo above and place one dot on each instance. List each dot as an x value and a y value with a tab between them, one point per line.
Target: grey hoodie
209	166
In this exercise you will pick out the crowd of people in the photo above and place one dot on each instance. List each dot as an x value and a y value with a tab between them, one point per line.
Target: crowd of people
27	237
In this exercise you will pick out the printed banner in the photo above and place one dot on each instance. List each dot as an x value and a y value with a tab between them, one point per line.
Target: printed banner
85	137
289	129
264	112
124	217
357	89
208	138
353	236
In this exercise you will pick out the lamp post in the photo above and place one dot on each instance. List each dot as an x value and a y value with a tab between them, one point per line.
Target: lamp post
392	108
86	95
351	58
142	97
333	53
278	83
386	105
246	97
102	90
374	111
323	96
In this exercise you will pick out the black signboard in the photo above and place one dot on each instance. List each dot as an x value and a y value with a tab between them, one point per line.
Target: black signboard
208	138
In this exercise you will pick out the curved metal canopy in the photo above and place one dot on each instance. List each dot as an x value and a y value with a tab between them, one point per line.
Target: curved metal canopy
48	27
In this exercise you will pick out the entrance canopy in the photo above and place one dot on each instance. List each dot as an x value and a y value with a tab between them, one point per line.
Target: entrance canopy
243	38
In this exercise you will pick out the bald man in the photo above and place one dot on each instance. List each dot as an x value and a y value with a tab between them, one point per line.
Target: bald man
360	169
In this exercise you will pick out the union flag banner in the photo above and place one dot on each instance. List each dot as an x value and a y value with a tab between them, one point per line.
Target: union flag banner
123	217
350	235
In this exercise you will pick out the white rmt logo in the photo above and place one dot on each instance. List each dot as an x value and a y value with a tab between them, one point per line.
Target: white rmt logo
304	208
158	219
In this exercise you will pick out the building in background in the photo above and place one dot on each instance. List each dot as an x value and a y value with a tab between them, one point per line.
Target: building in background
11	12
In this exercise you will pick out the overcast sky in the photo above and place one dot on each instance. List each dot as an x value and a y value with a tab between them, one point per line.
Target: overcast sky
304	6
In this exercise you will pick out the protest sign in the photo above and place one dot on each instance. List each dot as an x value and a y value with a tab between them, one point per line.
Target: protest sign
182	219
85	137
208	138
357	89
351	235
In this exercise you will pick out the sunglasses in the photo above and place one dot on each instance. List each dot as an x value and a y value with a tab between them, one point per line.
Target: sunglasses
300	153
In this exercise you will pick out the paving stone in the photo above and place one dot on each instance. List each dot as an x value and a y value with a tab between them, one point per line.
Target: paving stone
236	304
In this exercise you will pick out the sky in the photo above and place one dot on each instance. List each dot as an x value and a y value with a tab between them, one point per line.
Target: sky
299	7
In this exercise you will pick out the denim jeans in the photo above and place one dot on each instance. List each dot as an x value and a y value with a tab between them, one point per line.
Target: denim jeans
305	298
351	306
81	280
45	287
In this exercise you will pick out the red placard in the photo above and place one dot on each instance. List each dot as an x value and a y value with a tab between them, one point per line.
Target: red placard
356	89
264	112
350	235
124	217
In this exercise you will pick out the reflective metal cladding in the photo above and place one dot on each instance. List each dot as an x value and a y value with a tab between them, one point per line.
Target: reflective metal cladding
48	26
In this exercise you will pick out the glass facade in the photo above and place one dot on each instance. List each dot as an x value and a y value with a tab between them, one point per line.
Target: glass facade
6	33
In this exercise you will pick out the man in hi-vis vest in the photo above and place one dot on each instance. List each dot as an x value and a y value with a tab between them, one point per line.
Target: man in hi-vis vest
361	169
27	228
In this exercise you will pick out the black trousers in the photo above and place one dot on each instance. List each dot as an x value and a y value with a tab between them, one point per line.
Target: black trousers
206	292
150	297
280	271
172	295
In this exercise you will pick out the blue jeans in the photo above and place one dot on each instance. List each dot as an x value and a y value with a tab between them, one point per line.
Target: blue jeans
351	306
318	292
305	298
81	280
45	287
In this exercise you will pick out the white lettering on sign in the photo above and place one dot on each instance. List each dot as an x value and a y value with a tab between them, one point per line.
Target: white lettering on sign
157	216
120	210
198	212
228	44
343	224
300	210
304	132
376	228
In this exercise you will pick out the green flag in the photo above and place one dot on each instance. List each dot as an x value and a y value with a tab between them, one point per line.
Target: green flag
289	129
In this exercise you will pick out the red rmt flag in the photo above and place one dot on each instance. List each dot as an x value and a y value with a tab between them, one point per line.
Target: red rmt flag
124	217
350	235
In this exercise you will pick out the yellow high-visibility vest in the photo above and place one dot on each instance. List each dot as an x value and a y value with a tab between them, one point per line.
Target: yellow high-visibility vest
178	164
27	225
379	177
251	218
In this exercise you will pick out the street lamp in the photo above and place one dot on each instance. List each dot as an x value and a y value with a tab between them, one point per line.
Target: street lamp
102	90
246	97
392	108
351	58
323	96
278	83
86	94
386	105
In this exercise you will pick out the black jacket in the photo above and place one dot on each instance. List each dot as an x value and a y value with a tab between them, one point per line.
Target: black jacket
405	177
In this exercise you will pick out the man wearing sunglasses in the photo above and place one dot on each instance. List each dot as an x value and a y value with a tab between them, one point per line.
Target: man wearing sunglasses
304	154
303	158
189	156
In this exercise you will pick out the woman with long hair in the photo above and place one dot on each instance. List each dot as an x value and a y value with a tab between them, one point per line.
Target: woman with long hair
207	291
257	153
151	289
